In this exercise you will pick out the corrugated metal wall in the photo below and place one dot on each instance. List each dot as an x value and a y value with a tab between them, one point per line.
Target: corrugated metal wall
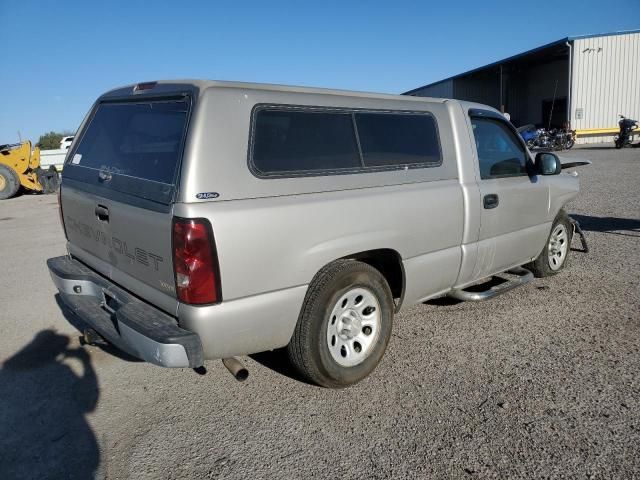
524	89
606	82
542	82
442	89
481	87
527	89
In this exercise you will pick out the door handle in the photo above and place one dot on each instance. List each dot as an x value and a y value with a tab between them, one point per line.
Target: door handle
102	213
490	201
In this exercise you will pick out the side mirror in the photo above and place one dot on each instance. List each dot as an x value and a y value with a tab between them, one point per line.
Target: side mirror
548	163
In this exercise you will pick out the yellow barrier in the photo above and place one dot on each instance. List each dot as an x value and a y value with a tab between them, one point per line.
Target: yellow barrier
597	131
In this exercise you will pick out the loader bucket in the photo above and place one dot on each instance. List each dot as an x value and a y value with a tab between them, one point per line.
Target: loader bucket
49	179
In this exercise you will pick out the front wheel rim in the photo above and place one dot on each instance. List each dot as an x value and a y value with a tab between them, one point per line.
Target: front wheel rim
558	247
353	327
3	182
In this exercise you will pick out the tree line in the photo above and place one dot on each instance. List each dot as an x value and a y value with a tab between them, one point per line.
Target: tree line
51	140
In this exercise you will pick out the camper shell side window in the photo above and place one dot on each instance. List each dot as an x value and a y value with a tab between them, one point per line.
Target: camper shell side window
287	141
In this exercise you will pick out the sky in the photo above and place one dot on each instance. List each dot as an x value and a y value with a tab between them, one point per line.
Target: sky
59	56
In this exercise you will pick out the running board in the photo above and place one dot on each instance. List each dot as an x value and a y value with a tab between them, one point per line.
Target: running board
523	276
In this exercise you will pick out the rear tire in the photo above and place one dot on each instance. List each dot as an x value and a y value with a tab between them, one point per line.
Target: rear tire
9	182
619	142
554	255
344	325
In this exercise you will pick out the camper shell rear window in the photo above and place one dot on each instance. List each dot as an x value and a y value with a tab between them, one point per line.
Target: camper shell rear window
133	147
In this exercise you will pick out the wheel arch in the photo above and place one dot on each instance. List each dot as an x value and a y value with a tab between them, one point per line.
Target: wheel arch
389	263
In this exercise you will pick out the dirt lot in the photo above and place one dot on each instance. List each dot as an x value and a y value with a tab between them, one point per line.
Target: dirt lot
541	382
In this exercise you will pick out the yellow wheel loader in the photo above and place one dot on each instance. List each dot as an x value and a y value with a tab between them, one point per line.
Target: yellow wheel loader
20	167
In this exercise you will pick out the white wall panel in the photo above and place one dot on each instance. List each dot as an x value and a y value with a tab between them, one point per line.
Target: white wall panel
606	82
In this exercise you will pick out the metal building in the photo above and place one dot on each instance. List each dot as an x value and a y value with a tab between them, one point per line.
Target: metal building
585	81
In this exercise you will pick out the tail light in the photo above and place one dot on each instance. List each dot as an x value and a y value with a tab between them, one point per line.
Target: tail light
195	262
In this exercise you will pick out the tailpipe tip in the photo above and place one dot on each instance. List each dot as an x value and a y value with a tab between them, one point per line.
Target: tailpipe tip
236	368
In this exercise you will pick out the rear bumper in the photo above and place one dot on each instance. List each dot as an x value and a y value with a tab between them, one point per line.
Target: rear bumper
128	323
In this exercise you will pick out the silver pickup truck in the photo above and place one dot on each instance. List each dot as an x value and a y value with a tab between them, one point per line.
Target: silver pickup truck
206	220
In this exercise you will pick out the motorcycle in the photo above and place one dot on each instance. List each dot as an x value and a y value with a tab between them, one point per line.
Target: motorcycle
627	130
533	137
564	139
541	138
528	134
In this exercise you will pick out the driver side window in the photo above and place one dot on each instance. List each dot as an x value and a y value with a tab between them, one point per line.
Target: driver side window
499	151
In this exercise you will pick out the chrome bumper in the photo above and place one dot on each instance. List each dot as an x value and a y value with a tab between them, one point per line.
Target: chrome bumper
123	320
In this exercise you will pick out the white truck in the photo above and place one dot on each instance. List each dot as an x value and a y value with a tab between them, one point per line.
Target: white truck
56	157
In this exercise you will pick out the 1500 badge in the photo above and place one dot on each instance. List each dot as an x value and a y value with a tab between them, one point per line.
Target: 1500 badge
207	195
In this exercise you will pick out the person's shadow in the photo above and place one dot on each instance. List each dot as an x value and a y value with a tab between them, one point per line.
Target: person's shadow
44	432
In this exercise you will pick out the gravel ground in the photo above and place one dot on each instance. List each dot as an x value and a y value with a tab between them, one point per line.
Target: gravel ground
540	382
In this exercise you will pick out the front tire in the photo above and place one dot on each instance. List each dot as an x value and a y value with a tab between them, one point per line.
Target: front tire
9	182
554	255
344	325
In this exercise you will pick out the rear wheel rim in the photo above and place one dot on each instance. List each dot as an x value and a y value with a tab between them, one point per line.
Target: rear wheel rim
558	247
3	182
353	327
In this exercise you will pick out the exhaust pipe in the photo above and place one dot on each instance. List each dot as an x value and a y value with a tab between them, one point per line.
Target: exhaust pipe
91	337
236	368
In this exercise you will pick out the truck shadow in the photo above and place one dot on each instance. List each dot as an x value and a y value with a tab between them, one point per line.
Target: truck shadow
277	361
44	432
612	225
